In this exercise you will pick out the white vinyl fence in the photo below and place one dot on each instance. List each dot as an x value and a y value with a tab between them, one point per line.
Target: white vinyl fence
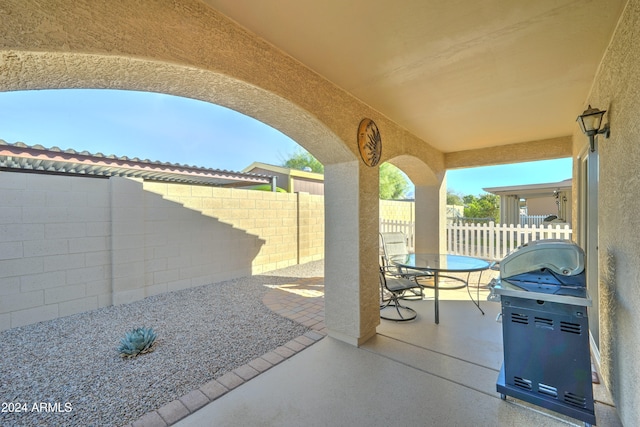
495	241
406	227
532	219
490	241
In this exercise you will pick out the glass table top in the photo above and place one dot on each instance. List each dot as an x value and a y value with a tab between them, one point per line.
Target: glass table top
441	262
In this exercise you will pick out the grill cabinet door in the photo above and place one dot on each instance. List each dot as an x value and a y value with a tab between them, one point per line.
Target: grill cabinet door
546	350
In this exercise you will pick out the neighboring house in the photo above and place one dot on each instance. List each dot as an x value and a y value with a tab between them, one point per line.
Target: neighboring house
553	198
404	210
291	180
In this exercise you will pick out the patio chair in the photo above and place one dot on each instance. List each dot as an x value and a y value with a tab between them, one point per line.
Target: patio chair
393	245
395	285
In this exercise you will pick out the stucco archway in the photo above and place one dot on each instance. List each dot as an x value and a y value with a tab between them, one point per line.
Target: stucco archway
64	70
83	71
199	53
430	202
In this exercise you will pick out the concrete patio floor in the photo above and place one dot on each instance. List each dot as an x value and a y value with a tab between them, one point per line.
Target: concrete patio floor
415	373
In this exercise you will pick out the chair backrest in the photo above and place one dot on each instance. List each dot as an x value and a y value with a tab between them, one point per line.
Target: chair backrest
393	244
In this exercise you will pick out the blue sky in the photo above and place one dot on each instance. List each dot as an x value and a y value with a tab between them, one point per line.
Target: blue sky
179	130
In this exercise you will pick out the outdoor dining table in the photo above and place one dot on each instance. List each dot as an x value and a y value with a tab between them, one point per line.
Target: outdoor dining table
437	264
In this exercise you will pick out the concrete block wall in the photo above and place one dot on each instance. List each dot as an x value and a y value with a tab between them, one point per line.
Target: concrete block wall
128	239
163	242
184	248
397	210
55	250
310	227
73	244
290	226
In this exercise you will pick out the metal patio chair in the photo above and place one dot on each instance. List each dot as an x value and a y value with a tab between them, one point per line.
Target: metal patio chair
393	245
394	286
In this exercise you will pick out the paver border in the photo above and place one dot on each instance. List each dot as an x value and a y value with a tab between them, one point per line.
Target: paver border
186	405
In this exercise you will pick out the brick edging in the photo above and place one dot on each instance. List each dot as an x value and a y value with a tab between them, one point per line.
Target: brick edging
186	405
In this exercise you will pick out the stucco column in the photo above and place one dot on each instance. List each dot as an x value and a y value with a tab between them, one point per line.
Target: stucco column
352	310
431	217
510	210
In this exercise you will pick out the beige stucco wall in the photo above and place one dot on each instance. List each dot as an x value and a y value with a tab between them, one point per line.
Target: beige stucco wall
617	89
546	149
542	206
70	244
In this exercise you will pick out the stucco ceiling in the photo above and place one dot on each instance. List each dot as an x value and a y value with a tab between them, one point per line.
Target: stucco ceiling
459	74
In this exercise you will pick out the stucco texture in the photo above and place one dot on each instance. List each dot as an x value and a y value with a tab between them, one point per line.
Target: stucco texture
617	89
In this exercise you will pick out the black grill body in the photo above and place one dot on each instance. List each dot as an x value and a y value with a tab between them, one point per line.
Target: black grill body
546	356
545	329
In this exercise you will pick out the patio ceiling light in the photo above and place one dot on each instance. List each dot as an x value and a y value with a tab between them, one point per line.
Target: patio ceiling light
590	121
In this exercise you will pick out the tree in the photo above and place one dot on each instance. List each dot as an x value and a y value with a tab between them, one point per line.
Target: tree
485	206
454	198
393	183
302	159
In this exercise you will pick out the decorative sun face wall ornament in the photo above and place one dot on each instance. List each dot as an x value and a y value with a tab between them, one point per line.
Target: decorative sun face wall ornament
369	142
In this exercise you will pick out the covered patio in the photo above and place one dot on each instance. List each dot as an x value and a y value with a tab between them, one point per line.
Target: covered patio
449	85
414	373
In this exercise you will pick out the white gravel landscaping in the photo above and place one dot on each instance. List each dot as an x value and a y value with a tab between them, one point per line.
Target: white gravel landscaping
68	371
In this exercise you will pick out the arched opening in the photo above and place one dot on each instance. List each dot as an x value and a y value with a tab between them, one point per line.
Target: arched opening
430	203
408	226
172	135
342	170
82	71
146	125
199	53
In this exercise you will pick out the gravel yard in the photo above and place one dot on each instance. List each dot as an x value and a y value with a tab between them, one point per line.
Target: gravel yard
68	371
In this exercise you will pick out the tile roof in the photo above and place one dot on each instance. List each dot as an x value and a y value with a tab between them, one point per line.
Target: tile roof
38	159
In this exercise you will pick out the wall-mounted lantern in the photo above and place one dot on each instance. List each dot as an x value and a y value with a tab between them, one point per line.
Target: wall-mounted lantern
590	121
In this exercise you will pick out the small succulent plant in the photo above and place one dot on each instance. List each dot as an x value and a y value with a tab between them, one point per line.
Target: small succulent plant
137	341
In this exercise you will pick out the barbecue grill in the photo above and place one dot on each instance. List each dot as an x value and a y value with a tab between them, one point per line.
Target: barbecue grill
545	328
